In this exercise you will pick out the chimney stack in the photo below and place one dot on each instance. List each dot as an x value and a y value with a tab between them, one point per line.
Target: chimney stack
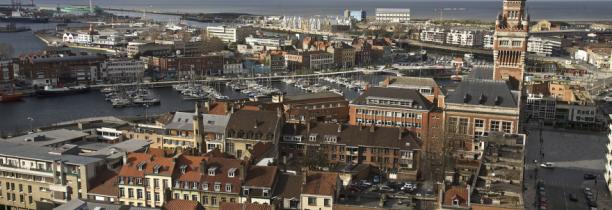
242	172
203	166
308	127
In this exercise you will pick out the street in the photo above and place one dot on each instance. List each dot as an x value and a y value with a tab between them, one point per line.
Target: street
573	154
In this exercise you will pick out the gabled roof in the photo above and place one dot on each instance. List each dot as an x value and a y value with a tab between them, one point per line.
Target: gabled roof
419	101
261	176
259	124
177	204
459	193
321	183
289	186
148	162
484	93
181	121
352	135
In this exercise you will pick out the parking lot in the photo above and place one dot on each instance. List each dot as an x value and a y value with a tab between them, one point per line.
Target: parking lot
572	154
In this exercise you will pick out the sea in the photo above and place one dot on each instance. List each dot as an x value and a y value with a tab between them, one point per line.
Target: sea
45	111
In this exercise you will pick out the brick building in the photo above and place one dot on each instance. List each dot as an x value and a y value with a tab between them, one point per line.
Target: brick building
325	106
478	107
510	43
56	69
386	148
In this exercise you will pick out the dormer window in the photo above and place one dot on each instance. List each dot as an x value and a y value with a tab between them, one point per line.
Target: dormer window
205	186
141	166
211	171
195	185
313	137
217	186
156	169
265	193
455	202
183	169
228	187
245	191
231	173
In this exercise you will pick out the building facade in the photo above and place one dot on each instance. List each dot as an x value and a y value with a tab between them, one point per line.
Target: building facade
510	44
230	34
393	15
122	71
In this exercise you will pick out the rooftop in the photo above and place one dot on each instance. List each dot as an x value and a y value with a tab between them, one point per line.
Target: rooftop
46	138
389	95
261	176
253	124
27	151
313	96
321	183
484	93
289	186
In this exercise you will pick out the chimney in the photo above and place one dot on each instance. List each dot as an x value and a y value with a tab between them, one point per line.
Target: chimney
305	177
339	128
203	166
242	172
372	129
125	158
308	127
207	106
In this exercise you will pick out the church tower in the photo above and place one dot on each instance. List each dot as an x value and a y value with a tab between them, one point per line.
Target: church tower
510	46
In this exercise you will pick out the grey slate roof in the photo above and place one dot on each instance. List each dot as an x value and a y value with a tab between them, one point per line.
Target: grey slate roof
485	93
311	96
50	137
88	205
181	121
115	150
41	153
215	123
394	93
481	73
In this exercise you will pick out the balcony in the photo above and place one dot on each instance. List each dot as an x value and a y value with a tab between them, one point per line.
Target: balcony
43	173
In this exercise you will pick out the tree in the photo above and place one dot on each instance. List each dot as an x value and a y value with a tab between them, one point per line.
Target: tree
315	159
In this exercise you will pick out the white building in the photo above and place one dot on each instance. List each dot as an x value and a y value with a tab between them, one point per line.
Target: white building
320	60
108	40
85	38
608	167
230	34
581	55
123	70
69	37
543	46
435	35
393	15
466	38
487	41
271	43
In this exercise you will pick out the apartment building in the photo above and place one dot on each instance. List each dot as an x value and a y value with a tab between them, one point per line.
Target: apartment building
324	106
544	46
344	55
144	179
271	43
476	108
33	177
393	15
230	34
434	35
320	190
122	71
318	60
208	180
260	185
562	103
465	38
392	107
385	148
247	128
52	69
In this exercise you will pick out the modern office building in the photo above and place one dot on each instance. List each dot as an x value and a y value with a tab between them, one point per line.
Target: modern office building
393	15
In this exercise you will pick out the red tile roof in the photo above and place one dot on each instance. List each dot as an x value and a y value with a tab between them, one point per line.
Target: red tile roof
104	183
261	176
456	192
150	161
244	206
321	183
182	205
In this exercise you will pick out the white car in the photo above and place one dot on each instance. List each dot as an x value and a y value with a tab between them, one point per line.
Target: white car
409	187
547	165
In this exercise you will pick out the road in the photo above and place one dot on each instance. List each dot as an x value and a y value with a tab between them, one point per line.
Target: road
573	154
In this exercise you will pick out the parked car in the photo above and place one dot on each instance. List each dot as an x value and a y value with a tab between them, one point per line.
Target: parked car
589	176
385	188
408	187
547	165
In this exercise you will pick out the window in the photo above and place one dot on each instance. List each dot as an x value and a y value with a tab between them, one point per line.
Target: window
516	43
139	193
217	187
507	127
204	200
228	187
327	202
130	193
231	172
213	201
245	191
177	196
312	201
194	197
266	193
211	171
478	123
121	192
186	197
156	196
494	125
205	186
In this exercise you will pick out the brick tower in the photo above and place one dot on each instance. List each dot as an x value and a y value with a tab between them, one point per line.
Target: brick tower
510	46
